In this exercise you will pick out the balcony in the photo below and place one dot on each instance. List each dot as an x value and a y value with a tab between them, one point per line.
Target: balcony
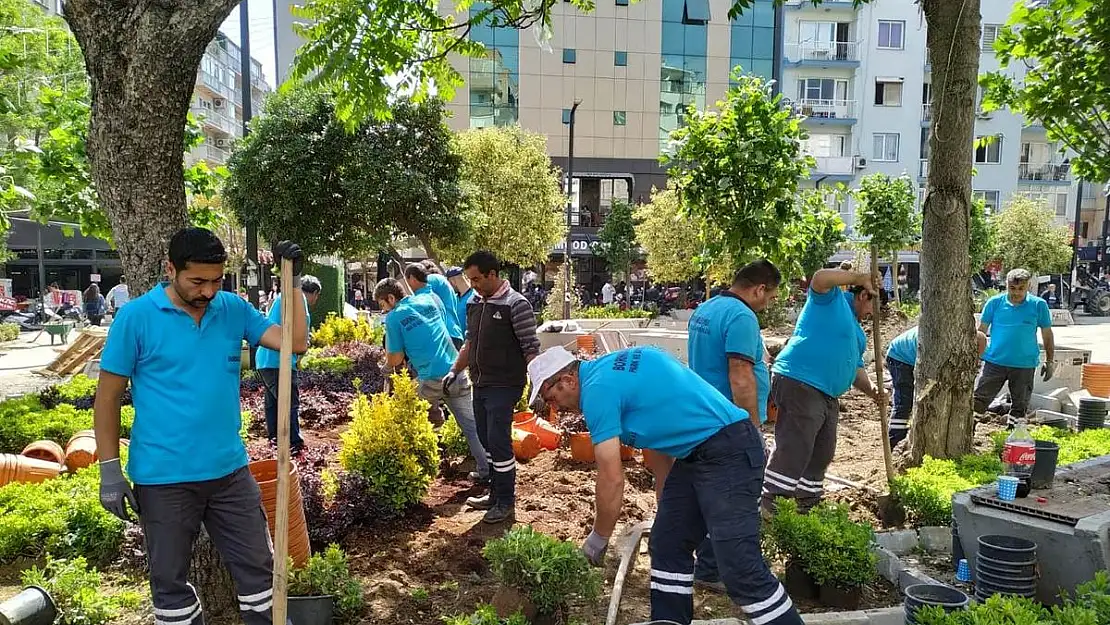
823	54
923	169
827	4
835	166
926	114
1044	173
212	154
927	64
215	120
827	112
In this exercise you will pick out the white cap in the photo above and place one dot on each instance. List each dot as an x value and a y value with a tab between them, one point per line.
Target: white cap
546	365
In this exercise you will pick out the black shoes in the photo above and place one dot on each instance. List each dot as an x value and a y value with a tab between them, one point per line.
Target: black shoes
499	513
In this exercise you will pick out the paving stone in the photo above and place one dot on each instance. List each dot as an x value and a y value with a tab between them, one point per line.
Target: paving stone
897	541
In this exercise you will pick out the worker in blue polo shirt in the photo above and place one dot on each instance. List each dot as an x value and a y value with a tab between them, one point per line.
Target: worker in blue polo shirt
465	292
179	344
266	361
822	360
422	278
414	329
711	454
726	349
1012	356
901	358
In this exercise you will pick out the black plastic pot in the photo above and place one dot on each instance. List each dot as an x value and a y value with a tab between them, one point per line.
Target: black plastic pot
841	598
32	606
1008	549
798	583
924	595
317	610
1001	570
1044	470
1092	413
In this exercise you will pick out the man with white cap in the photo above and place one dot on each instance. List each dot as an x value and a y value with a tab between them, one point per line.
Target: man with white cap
644	398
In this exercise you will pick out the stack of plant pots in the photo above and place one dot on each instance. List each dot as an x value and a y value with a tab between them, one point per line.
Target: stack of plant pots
1096	378
1005	565
265	473
1092	413
928	595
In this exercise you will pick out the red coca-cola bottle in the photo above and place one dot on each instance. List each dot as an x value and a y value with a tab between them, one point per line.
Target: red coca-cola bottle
1018	456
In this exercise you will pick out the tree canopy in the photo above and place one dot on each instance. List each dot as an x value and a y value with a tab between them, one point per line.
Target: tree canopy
982	236
1026	235
886	211
514	205
616	240
820	231
675	242
1059	48
300	175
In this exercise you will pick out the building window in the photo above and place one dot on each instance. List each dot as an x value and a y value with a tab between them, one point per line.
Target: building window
569	55
886	147
825	145
1061	204
620	58
682	71
990	200
622	3
888	93
620	118
566	116
988	149
696	12
892	35
822	89
990	33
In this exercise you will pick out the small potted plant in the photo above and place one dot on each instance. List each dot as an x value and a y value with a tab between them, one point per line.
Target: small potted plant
791	538
324	588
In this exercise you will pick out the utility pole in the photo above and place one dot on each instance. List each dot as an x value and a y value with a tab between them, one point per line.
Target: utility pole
568	293
246	102
1104	262
1075	239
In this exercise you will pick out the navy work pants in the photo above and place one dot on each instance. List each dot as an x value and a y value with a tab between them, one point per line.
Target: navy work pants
716	490
901	377
493	413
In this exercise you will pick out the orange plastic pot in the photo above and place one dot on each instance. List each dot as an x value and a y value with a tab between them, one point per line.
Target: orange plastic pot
45	450
581	447
81	450
1096	379
15	468
586	343
548	434
627	453
265	473
526	445
772	411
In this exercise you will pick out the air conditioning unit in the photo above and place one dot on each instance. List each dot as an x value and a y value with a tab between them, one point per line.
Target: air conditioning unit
861	162
219	102
223	143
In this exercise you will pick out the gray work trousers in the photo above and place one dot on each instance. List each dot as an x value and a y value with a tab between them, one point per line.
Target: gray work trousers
805	442
990	382
460	400
230	508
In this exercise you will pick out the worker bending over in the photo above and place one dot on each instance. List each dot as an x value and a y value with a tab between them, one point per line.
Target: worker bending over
423	277
179	344
644	398
822	360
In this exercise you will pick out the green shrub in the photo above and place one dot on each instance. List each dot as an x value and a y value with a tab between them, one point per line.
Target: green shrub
926	491
61	517
1091	606
76	591
485	615
336	330
612	311
326	364
8	332
329	574
79	386
391	443
332	292
549	571
832	548
23	420
451	439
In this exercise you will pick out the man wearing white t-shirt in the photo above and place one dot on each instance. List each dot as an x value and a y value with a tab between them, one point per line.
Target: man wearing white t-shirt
118	295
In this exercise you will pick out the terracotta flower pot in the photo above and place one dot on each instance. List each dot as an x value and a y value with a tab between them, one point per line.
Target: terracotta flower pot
45	450
265	473
15	468
586	343
627	453
81	450
548	434
526	445
1096	379
581	447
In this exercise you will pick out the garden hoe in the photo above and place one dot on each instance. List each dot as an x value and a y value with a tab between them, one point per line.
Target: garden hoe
285	379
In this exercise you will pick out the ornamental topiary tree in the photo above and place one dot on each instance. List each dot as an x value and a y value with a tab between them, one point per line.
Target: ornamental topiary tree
1026	235
676	243
616	240
886	215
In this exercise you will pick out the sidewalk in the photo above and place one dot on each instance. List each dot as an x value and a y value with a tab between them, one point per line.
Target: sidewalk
19	358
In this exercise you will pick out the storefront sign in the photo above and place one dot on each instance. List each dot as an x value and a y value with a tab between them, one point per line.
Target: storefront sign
94	277
581	244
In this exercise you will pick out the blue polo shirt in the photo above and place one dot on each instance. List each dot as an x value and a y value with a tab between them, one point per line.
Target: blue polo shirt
464	299
726	327
827	346
903	347
266	358
184	383
415	326
651	401
446	293
1013	341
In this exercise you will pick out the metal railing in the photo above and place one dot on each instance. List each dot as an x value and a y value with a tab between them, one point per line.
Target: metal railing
826	109
834	164
214	119
823	51
923	168
1043	172
927	112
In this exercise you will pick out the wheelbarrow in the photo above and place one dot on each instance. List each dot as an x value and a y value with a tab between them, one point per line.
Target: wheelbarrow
60	330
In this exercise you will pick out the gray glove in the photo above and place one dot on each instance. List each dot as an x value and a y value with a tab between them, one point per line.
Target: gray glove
594	548
448	380
1048	369
115	491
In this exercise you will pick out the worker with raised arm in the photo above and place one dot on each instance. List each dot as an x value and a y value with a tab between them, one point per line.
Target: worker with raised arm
424	277
179	346
822	360
645	398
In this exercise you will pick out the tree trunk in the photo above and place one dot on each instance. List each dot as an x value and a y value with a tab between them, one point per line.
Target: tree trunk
142	58
947	363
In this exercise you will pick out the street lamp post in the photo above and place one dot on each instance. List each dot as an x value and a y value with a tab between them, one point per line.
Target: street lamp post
570	202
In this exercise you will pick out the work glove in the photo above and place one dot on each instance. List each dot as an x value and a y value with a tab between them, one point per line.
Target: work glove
448	380
594	548
115	491
1047	370
292	251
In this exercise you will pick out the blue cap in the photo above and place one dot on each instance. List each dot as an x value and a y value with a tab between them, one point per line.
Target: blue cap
454	271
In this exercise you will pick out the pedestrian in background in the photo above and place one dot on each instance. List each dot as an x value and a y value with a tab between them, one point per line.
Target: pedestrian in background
118	295
95	308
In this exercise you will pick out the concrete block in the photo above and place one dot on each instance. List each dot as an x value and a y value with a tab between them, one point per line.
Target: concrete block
897	541
1075	396
886	616
1043	402
1061	317
911	576
716	621
855	617
1049	415
888	565
935	539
